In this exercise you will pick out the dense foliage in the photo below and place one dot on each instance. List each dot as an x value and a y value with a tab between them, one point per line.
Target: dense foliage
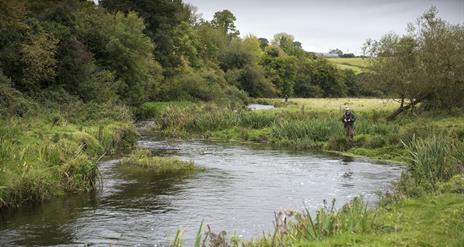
137	51
426	64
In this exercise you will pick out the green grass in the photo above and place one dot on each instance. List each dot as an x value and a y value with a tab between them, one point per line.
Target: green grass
42	157
142	158
358	65
424	208
314	124
431	220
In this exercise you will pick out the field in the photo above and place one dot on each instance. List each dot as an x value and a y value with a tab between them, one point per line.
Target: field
338	104
358	65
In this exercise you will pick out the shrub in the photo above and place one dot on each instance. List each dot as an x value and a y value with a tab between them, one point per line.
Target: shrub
13	102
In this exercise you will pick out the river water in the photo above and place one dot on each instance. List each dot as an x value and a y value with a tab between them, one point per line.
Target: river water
238	192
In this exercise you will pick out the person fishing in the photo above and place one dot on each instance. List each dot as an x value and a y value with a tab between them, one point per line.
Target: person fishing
348	121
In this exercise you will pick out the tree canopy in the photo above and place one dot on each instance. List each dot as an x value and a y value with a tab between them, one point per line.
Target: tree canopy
141	50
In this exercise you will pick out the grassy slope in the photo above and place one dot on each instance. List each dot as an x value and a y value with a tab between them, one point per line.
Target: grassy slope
358	65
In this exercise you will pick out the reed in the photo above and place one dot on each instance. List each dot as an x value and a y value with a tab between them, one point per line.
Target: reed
434	159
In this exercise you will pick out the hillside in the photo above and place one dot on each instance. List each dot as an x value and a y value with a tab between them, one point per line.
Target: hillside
357	64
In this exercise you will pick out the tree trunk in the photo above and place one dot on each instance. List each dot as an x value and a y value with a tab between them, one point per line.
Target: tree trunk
402	109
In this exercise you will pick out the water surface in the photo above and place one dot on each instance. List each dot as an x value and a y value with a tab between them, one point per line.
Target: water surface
238	192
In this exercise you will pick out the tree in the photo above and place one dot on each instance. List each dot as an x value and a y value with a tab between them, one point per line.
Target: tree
38	58
337	52
423	65
328	78
161	17
305	85
13	33
263	43
287	43
240	61
280	68
224	20
120	46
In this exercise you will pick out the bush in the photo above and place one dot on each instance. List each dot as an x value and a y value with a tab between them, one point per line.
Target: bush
13	102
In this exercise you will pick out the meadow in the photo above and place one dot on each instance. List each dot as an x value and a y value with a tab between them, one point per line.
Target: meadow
357	64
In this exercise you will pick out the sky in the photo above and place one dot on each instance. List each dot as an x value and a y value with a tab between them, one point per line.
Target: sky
324	25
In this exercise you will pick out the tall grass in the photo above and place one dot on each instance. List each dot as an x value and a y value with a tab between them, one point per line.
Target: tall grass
353	217
142	158
40	159
434	159
290	228
314	130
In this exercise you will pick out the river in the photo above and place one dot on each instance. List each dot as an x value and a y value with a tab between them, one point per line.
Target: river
238	192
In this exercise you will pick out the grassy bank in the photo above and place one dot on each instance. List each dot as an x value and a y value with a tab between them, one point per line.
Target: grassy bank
432	220
308	124
424	208
51	152
142	160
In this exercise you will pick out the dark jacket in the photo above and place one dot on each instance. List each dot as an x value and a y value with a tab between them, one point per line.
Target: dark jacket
348	119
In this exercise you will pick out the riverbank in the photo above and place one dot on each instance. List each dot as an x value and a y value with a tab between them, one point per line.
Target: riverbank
429	143
47	156
305	124
431	220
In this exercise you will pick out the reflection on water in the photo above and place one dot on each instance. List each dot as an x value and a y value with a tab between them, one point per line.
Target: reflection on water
239	192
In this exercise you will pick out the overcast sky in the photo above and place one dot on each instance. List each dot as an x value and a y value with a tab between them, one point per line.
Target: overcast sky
323	25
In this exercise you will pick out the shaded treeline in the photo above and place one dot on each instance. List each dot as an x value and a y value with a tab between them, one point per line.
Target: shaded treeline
138	51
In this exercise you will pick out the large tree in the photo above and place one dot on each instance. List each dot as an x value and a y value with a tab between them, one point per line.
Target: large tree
424	65
225	21
162	19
